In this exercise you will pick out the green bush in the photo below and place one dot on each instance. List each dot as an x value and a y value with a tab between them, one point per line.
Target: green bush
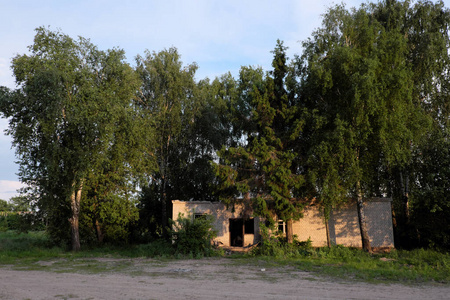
156	248
107	221
3	224
193	236
20	222
276	245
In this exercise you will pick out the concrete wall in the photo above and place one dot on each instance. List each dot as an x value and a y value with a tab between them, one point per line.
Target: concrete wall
311	226
344	226
343	223
221	218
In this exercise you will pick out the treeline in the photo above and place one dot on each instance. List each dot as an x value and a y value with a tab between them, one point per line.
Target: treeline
363	112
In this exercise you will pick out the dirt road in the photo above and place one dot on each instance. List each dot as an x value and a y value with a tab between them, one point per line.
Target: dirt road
190	279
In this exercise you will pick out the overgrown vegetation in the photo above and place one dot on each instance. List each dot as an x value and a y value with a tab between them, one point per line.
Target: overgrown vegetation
21	222
32	250
415	266
193	236
363	112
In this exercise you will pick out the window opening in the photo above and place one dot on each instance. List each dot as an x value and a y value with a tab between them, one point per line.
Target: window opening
282	226
249	226
199	216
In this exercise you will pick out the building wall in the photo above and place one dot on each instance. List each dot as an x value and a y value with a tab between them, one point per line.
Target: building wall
343	222
344	226
221	218
311	226
379	216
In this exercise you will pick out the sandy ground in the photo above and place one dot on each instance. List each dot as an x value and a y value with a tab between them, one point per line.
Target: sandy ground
190	279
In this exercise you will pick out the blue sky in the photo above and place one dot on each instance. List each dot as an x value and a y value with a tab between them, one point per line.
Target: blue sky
220	36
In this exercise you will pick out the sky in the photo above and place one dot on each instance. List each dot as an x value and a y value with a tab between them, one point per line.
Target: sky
220	36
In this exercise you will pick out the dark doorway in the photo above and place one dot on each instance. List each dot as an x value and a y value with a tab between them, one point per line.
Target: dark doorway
236	232
249	226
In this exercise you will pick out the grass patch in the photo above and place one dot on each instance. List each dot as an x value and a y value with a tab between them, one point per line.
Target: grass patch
399	266
32	251
26	247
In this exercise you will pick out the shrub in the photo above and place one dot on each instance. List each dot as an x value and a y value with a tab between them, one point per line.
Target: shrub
193	236
3	223
276	245
156	248
20	222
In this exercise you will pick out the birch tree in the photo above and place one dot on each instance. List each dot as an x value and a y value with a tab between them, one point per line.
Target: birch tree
63	116
167	98
359	86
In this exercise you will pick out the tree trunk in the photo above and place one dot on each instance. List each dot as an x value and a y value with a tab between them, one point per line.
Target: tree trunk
327	228
404	185
164	207
98	229
362	220
289	231
163	170
75	201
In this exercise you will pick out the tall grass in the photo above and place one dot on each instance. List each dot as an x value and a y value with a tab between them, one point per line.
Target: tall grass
30	246
346	263
34	246
416	266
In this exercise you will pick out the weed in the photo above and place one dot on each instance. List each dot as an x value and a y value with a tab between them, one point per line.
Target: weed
32	251
193	236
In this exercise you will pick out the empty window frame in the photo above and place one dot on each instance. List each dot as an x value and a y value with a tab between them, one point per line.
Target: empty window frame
281	226
199	216
249	226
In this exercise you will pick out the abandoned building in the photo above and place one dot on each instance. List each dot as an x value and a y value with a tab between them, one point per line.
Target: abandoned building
237	227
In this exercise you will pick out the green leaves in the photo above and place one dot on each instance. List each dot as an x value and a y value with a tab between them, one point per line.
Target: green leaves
67	115
262	170
361	85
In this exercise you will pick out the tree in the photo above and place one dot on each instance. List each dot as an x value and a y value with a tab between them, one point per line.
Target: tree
425	24
262	170
430	192
63	119
190	173
167	100
359	87
20	204
4	205
108	206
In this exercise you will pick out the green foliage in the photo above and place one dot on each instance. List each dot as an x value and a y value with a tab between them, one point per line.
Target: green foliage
3	223
276	245
4	205
10	221
430	195
65	118
419	209
20	204
156	248
374	85
364	112
262	170
21	222
24	247
193	236
169	105
150	219
108	221
417	266
364	120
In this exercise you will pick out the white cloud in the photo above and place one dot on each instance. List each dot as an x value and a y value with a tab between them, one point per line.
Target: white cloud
9	189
